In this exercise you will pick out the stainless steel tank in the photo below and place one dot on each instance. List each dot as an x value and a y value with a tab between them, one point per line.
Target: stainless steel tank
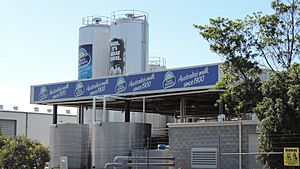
129	41
93	47
118	138
158	123
71	140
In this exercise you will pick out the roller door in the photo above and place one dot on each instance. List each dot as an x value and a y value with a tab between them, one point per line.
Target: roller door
8	127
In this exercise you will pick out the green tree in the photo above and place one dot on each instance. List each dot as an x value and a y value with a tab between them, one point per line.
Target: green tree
280	114
21	152
235	42
249	46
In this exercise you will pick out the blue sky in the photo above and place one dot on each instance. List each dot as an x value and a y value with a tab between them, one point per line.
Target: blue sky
39	39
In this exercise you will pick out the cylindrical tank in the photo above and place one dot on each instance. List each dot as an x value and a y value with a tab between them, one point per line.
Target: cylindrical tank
71	140
88	116
111	116
129	42
93	47
158	123
118	139
114	116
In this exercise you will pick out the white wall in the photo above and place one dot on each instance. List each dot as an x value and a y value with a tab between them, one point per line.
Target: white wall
38	123
21	120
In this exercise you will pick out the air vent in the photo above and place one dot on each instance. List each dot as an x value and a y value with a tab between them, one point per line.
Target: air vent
68	111
204	158
16	108
36	109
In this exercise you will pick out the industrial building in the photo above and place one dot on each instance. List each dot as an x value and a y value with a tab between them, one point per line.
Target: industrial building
129	105
34	125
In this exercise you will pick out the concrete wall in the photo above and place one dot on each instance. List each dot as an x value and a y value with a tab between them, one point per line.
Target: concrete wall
38	124
223	136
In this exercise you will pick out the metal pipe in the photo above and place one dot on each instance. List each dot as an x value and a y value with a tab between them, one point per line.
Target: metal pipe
94	110
108	165
93	132
240	145
104	109
144	110
141	158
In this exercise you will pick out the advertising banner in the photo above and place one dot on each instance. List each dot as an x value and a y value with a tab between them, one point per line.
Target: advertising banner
85	61
117	57
163	81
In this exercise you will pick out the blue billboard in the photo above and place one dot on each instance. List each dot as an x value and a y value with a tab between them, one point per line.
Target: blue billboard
163	81
85	61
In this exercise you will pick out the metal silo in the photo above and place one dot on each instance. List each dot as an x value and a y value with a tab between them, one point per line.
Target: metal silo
118	139
93	47
72	141
129	34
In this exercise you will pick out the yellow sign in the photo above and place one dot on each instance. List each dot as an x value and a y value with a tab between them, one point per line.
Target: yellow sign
291	156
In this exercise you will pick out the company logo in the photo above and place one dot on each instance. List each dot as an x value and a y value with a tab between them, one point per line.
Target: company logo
84	57
79	89
121	85
43	93
169	80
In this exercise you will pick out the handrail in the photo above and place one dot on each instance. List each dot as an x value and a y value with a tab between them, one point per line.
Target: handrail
108	165
141	158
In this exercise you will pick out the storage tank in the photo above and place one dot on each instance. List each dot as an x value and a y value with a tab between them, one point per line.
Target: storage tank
112	116
118	139
128	42
158	123
93	47
71	140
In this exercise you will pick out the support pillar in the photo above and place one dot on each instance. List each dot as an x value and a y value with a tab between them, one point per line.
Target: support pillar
54	114
182	110
221	108
144	110
127	111
80	114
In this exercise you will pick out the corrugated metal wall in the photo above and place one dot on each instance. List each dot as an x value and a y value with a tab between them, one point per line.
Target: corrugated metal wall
8	127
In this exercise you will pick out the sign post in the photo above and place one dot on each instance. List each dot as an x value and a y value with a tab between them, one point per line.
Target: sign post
291	156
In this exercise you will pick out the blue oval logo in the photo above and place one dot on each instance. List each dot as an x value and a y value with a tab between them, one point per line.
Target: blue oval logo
169	80
43	93
79	89
84	57
121	85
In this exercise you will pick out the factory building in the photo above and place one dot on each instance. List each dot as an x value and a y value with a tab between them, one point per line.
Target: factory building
128	105
31	124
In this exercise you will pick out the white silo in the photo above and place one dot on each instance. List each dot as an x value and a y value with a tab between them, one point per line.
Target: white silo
129	34
93	47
